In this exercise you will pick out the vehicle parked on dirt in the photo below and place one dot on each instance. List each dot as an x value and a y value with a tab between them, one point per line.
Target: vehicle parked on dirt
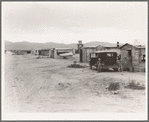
104	60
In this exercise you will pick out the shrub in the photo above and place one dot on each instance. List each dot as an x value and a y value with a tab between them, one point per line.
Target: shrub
75	65
113	86
134	85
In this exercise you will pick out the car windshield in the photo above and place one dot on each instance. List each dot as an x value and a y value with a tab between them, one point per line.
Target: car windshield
109	54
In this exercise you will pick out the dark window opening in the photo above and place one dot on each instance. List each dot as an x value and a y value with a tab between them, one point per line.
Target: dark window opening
143	58
127	69
129	52
119	57
28	52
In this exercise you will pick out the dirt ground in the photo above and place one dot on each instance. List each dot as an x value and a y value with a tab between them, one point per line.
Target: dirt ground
48	85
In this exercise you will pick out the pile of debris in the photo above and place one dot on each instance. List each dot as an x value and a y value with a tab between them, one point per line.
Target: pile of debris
114	87
75	65
135	85
42	57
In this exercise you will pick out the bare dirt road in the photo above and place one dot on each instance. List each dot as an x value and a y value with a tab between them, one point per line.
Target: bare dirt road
48	85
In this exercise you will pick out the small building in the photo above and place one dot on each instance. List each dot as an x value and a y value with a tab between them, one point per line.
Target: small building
51	53
41	52
133	57
32	51
85	52
57	52
22	52
44	52
36	51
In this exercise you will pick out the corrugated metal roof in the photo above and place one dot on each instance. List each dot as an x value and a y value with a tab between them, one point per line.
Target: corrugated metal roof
45	49
140	46
23	50
104	51
91	46
63	48
111	47
136	46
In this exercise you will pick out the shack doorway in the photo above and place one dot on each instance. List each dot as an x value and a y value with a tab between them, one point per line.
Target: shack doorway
127	60
52	54
80	55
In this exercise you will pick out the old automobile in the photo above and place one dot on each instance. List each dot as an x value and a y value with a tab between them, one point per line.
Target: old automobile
104	60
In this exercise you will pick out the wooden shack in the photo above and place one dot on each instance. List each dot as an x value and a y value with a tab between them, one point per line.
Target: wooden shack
51	53
36	51
22	52
85	52
132	57
32	51
41	52
44	52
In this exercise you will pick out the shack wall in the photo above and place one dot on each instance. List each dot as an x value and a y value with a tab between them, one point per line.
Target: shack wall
51	53
99	48
83	54
55	53
86	54
74	51
137	59
32	51
45	52
23	52
134	63
36	52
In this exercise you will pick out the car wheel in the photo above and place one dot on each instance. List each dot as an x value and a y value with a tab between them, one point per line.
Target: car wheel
115	69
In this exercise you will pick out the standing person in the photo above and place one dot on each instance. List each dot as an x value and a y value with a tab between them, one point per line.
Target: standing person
99	65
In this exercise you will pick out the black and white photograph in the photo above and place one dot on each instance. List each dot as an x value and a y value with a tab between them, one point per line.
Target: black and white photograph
74	60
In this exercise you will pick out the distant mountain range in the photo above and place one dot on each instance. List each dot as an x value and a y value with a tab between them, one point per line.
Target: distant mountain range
30	45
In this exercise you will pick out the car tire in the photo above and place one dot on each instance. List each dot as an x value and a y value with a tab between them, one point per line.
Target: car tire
115	69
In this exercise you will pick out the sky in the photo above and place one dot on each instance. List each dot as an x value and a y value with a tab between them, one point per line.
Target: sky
68	22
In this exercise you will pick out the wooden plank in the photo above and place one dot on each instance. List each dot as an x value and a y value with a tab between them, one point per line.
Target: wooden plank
84	55
87	56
